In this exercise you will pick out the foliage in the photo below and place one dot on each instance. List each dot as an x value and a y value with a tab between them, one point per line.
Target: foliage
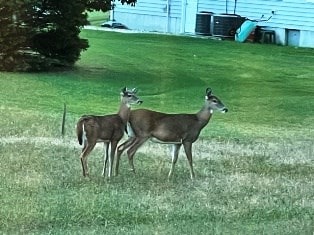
38	34
105	5
14	34
57	25
41	34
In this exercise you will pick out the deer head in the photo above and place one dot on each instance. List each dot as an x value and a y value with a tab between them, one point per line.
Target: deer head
213	102
129	97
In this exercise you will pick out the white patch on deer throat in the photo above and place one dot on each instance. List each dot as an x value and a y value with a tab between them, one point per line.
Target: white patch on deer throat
129	130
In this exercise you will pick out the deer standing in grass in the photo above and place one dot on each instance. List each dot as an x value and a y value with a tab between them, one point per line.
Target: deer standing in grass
175	129
108	129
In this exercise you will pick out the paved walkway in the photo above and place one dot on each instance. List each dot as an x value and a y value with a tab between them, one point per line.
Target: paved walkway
115	29
91	27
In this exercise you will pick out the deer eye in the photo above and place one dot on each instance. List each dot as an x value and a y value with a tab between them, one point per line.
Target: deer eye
215	101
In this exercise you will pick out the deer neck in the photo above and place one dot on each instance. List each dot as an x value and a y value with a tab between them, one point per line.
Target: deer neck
204	114
124	112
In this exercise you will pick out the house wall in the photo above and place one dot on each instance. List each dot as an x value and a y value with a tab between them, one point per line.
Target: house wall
288	15
151	15
167	16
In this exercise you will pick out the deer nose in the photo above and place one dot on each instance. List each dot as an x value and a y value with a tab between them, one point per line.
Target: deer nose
140	101
224	110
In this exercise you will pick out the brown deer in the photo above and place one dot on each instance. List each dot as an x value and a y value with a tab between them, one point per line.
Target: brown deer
109	129
175	129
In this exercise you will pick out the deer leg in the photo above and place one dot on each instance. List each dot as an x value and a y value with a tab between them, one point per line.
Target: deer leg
125	144
106	147
83	157
84	147
121	149
138	142
111	157
175	153
188	152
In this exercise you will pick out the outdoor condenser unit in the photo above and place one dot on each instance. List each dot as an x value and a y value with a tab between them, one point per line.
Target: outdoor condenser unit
225	25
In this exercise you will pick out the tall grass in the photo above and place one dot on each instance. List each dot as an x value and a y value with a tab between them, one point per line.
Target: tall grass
254	165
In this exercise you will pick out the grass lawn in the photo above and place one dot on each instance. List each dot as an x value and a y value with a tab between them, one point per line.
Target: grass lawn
96	18
254	165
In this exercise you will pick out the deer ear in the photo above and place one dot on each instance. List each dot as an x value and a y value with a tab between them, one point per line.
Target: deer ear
123	90
134	90
208	91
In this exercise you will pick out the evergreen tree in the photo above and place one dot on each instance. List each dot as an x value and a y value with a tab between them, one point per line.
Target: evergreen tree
15	34
57	25
41	34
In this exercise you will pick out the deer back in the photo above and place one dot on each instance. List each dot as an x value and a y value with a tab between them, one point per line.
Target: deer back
103	128
166	127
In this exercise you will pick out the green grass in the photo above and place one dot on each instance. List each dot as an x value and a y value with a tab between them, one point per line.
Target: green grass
254	165
96	18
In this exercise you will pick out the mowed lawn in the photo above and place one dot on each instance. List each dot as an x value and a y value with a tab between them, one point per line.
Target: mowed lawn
254	165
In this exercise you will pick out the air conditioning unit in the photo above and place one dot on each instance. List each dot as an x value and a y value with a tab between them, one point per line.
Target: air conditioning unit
225	25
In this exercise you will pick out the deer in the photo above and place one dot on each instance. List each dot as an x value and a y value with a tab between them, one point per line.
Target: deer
108	129
176	129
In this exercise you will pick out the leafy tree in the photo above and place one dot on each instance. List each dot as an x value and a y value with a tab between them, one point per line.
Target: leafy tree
41	34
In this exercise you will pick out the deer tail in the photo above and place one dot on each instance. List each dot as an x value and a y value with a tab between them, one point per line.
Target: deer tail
80	131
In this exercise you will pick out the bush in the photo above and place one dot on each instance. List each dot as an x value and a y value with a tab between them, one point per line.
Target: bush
14	34
37	35
41	34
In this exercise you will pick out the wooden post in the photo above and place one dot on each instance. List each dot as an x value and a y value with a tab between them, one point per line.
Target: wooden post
63	119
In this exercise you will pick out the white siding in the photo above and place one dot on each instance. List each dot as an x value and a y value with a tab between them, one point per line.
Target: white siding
296	14
144	7
288	14
151	15
156	15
